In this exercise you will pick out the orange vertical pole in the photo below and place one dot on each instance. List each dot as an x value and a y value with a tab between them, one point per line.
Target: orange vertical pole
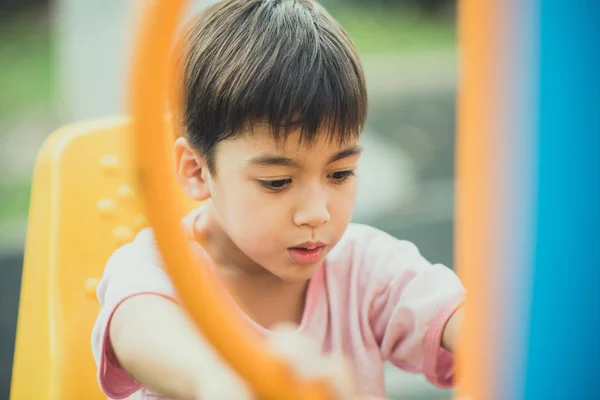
474	203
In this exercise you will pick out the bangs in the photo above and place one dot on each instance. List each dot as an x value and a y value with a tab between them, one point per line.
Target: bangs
306	89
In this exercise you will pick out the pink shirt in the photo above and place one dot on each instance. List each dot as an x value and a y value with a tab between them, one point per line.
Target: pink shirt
375	298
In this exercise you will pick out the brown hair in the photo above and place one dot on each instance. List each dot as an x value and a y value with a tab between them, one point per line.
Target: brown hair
284	63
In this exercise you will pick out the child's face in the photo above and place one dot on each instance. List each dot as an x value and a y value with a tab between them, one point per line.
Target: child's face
284	206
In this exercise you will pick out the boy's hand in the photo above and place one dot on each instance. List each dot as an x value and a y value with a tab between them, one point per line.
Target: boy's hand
452	330
220	382
308	362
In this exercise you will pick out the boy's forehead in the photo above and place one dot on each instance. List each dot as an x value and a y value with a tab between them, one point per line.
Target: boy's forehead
292	145
252	151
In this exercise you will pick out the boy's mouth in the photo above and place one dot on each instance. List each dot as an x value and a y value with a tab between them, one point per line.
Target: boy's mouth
307	253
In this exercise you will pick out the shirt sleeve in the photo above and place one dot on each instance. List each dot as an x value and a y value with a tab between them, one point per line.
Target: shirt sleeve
410	301
133	269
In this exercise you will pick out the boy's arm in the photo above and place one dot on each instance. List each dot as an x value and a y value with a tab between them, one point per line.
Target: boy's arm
157	344
452	330
411	302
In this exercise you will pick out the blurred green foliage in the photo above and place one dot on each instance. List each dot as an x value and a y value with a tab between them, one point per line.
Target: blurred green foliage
376	30
27	65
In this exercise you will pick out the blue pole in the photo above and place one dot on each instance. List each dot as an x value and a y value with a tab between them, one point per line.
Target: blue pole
563	353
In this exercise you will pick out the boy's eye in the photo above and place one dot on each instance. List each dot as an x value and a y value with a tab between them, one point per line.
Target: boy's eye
341	176
275	185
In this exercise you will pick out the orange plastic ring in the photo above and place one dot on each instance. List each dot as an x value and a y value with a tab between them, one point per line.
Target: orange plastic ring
197	286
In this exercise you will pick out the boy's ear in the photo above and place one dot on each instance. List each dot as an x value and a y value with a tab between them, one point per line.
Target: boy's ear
192	171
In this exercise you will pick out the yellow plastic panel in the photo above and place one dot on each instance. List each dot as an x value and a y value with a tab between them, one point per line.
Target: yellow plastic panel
84	205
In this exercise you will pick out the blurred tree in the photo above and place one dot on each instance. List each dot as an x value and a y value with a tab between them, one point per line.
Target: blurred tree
18	5
437	6
430	7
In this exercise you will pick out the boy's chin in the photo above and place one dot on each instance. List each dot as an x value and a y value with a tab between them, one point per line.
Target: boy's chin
295	273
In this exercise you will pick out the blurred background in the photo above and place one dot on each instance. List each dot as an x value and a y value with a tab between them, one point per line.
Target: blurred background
67	60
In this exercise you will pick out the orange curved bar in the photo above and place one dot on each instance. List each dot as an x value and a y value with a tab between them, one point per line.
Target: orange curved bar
197	285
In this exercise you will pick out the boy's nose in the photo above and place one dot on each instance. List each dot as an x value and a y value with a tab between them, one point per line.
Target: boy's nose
312	210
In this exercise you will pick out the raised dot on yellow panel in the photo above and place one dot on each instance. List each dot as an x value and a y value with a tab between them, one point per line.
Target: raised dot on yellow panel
125	192
106	207
90	286
110	164
140	222
123	235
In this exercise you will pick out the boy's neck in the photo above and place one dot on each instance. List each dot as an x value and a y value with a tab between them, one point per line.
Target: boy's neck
267	301
264	297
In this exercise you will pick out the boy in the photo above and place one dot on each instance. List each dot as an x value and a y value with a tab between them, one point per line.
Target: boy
275	101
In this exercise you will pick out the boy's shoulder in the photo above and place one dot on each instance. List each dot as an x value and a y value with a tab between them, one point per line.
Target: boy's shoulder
366	240
142	249
370	253
144	243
